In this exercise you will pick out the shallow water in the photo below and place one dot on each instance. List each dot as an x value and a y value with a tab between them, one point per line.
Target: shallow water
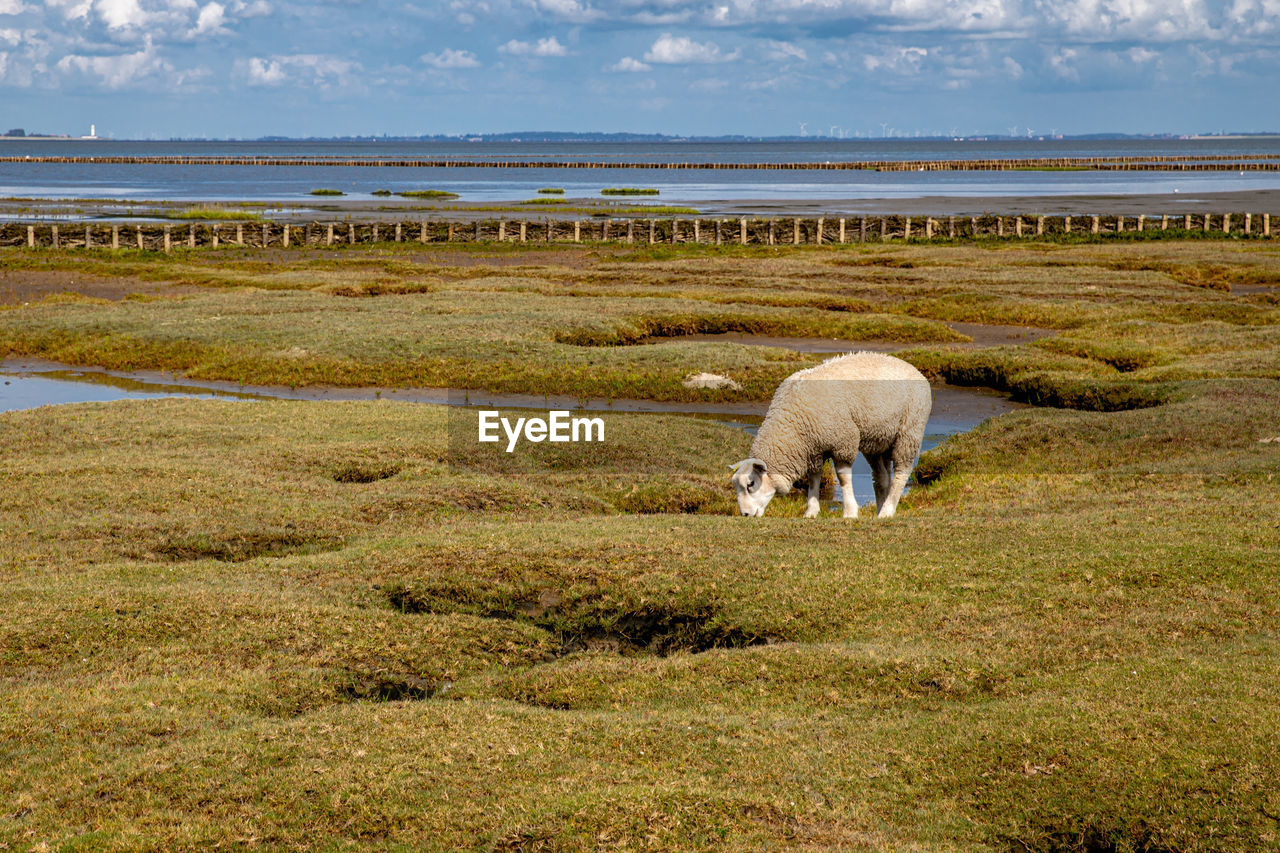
30	383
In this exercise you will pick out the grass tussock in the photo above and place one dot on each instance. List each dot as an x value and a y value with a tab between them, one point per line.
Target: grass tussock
327	191
214	214
628	191
427	194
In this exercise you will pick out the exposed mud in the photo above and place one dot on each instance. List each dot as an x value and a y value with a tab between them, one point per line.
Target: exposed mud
385	687
364	472
19	286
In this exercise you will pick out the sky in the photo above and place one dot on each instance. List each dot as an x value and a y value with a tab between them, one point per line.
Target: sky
842	68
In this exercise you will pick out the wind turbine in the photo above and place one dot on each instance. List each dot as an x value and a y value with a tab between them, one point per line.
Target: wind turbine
832	131
1029	133
1013	131
884	128
803	125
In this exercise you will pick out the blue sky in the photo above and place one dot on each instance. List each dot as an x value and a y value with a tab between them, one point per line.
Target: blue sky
160	68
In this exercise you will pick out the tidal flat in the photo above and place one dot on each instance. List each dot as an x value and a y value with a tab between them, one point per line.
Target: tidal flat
268	623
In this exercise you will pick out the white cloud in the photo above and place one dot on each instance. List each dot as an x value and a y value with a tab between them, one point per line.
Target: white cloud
782	51
11	7
263	72
627	63
310	69
119	14
209	21
542	47
681	50
119	70
449	58
570	10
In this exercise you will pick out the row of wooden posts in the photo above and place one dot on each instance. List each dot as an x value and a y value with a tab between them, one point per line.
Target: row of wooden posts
744	231
1165	163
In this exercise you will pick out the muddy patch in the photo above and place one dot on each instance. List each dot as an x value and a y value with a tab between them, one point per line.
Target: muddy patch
384	687
1089	837
363	472
19	286
590	626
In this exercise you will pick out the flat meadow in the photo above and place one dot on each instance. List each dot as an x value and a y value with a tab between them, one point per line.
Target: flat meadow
288	624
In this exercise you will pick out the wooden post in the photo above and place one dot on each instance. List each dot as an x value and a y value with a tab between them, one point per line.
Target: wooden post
1066	225
139	230
399	235
1119	224
1039	226
675	230
973	227
884	229
718	236
772	226
422	233
653	232
795	231
351	233
168	239
373	237
502	230
1017	226
1142	222
448	236
842	230
862	230
999	226
54	232
604	230
284	237
1186	222
631	231
697	232
1207	218
266	234
523	234
214	229
1096	225
1248	223
1266	225
328	235
818	235
550	229
31	236
191	236
906	229
577	230
1164	222
240	233
742	230
88	236
115	236
1226	223
951	227
928	227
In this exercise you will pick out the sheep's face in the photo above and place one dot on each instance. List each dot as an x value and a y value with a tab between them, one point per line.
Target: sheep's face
754	489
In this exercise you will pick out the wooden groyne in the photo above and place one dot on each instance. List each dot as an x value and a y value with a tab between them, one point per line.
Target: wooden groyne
784	231
1170	163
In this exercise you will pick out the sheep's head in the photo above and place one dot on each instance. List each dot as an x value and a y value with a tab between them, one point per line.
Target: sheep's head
754	488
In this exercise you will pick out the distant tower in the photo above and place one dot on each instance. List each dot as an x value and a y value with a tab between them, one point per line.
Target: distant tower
93	131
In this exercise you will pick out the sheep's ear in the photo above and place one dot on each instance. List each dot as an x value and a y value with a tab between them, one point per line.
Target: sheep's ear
758	466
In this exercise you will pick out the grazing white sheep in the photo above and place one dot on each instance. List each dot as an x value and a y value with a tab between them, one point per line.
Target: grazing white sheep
862	402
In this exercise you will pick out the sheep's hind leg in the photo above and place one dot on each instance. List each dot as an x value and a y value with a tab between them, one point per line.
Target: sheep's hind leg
904	460
880	475
812	506
844	473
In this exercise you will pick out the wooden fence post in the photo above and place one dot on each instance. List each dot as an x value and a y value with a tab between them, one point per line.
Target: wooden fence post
973	227
214	229
266	234
818	238
1039	226
928	227
906	228
951	227
422	233
772	227
240	233
999	226
1248	223
502	230
115	236
1186	222
675	230
795	231
1142	221
577	230
718	238
168	239
284	237
1119	224
1226	223
31	236
1017	226
139	230
191	235
1266	225
373	237
523	231
399	235
631	231
1207	218
604	230
54	233
1164	222
1095	225
351	233
448	236
88	236
328	235
1066	225
697	232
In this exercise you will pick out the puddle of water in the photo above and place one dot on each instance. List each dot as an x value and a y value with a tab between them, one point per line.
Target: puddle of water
30	383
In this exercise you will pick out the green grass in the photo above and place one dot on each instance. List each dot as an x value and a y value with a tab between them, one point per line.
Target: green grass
324	191
552	190
263	623
381	192
427	194
628	191
544	201
214	213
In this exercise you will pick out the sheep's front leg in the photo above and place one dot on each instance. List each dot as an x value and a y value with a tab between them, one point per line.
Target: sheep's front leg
812	506
844	473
